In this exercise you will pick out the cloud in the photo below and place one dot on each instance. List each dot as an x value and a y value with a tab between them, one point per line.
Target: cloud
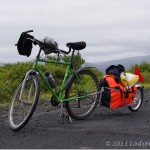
112	29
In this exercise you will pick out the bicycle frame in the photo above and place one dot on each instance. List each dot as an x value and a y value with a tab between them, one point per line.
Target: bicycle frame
80	86
69	68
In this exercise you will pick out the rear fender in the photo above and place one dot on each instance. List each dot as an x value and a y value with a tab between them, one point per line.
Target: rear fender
139	86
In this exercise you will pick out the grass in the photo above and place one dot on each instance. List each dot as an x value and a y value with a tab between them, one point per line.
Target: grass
11	74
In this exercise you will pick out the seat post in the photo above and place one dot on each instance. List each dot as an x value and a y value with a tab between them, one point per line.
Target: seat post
71	59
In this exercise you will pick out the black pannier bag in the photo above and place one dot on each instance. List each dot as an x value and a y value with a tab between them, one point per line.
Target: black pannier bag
116	71
24	45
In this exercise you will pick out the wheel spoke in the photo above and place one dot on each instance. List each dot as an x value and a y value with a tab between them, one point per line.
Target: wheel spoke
82	107
22	109
137	100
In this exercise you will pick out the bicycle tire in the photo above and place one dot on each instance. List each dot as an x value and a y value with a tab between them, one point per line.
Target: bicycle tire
74	107
18	108
138	100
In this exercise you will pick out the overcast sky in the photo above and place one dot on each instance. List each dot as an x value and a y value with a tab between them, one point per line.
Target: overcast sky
112	29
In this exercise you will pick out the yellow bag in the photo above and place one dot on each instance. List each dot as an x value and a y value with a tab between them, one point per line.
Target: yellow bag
128	80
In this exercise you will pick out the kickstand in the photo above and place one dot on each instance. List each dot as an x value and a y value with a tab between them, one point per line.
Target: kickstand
66	119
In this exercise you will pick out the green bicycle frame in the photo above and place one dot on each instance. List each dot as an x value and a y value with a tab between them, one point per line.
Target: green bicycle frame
69	69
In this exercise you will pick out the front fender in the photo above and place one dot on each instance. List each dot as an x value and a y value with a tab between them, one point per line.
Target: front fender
30	72
72	76
140	86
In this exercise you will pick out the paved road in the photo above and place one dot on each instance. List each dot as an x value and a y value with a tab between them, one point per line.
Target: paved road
105	128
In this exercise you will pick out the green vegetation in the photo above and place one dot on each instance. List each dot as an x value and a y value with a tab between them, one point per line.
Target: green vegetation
12	74
10	77
144	68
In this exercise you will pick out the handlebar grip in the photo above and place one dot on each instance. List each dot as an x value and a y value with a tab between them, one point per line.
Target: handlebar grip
65	51
28	31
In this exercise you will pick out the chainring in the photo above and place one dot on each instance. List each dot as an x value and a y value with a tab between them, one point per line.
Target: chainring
54	102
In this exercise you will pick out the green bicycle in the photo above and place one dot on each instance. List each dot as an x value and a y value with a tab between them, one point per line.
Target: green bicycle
80	86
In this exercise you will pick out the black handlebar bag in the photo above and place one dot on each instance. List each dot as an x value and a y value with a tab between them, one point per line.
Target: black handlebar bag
24	45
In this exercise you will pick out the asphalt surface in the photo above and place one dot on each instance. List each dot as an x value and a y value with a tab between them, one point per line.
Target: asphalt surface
105	128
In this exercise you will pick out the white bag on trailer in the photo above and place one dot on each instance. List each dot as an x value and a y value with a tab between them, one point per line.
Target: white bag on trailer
128	79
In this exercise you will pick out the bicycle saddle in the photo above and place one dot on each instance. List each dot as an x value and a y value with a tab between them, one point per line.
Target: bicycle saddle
77	45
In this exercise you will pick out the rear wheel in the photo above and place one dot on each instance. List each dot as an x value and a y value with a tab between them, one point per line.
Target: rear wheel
22	109
138	100
85	86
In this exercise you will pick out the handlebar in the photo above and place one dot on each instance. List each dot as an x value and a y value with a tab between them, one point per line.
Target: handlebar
30	36
65	51
28	31
37	42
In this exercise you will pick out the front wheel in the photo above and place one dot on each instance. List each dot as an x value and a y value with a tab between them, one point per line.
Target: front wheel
84	87
138	100
22	108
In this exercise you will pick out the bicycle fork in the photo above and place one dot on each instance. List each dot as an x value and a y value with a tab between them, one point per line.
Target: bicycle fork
23	85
